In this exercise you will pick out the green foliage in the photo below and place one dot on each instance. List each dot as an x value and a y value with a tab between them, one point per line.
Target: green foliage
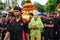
23	2
1	6
58	1
14	2
50	6
38	6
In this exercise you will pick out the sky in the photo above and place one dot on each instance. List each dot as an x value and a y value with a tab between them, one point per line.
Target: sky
2	1
42	2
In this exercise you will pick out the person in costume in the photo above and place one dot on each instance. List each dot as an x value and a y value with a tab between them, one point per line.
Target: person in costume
35	27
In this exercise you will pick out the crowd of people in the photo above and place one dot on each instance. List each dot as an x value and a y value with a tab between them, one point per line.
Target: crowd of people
14	27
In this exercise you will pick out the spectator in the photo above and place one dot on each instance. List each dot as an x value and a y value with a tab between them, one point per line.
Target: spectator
3	26
48	30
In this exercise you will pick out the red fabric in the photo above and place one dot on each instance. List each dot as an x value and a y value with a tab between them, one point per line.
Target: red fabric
11	21
24	20
23	35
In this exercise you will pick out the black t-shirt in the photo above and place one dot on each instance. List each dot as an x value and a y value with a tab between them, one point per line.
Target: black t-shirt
16	28
49	21
4	25
43	20
55	23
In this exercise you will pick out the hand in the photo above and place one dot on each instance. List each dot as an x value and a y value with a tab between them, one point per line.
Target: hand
3	29
27	35
34	27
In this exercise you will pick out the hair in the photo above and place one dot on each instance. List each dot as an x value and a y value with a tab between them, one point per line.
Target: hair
4	15
17	8
31	14
54	13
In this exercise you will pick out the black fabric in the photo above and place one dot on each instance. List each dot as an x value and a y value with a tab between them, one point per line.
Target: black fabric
15	29
58	22
4	24
42	33
55	28
48	33
58	29
43	20
58	35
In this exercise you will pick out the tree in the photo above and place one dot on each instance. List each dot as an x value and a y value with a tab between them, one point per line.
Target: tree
38	6
1	6
50	6
58	1
23	2
14	2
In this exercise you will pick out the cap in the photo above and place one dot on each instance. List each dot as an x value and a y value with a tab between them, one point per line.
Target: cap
12	10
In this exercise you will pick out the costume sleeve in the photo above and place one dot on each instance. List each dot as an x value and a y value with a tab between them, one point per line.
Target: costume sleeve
41	26
30	24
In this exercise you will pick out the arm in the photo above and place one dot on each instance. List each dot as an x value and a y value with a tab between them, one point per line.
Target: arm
0	28
41	24
50	25
8	31
30	25
7	36
26	30
27	35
